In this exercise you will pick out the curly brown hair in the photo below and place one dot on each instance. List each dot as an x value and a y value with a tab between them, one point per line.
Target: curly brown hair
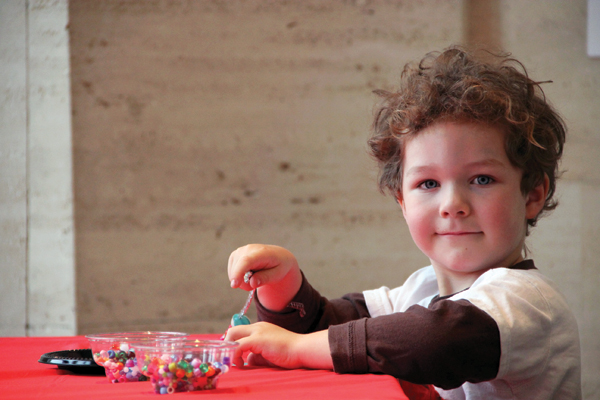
462	86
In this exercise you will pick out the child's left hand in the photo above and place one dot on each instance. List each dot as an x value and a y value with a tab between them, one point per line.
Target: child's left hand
268	344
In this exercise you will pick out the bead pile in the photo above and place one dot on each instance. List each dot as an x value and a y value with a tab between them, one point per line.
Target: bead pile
120	363
170	374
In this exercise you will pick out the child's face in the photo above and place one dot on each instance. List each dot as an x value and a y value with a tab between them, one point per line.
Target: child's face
461	198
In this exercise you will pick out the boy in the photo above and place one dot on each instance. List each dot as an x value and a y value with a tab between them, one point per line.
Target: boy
470	151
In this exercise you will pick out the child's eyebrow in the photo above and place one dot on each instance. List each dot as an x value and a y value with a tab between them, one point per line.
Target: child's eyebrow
424	169
488	162
420	169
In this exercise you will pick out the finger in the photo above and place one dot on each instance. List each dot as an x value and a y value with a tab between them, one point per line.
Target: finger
243	348
235	333
238	359
230	262
238	265
258	360
265	276
250	258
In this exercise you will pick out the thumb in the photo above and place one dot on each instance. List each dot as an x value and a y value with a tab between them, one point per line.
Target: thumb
266	276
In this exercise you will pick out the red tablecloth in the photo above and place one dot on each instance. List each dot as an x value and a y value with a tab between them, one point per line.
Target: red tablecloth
23	377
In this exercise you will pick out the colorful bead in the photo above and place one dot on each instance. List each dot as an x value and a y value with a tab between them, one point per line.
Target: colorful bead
181	375
172	367
120	363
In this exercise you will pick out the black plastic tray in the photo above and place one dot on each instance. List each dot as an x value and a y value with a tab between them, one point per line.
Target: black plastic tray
79	361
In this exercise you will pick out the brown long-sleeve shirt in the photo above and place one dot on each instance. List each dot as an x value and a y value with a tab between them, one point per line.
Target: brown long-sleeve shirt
445	344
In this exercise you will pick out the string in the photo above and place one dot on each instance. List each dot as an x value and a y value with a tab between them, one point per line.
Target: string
247	277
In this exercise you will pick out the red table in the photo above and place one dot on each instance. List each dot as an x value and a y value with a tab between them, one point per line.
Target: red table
23	377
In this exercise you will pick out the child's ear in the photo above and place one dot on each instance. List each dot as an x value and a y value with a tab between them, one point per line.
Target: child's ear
534	202
400	201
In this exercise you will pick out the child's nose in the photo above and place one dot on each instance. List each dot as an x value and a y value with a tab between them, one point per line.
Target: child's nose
454	202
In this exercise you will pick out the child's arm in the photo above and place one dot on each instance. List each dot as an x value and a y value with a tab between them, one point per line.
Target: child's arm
278	281
276	277
270	344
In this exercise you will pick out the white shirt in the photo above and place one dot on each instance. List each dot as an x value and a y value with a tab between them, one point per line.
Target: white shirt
540	353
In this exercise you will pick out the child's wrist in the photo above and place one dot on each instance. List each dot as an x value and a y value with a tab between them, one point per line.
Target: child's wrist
277	296
312	350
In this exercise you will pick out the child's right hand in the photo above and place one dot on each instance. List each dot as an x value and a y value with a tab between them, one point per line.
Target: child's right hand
276	277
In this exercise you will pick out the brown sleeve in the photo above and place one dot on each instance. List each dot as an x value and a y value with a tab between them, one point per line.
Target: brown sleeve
311	312
447	344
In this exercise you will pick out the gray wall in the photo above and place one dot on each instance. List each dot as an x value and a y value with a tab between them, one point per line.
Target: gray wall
37	263
201	126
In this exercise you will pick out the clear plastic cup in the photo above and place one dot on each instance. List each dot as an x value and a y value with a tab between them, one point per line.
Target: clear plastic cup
185	366
116	352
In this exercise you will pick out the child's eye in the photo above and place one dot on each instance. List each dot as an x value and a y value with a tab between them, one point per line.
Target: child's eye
428	184
482	180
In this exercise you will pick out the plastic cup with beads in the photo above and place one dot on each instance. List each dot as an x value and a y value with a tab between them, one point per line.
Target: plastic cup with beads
117	352
185	366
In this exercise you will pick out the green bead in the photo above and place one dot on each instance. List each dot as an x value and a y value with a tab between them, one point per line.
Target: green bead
239	320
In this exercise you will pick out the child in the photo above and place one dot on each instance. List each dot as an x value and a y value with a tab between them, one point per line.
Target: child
470	151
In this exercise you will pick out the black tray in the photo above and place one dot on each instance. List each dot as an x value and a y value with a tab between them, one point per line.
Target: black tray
79	361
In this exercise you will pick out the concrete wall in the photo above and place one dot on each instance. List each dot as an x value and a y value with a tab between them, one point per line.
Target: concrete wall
37	292
551	38
203	126
13	168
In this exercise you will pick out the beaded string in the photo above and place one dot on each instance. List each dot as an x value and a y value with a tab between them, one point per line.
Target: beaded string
240	317
247	277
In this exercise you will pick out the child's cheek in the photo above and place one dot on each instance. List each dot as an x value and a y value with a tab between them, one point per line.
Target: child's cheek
420	229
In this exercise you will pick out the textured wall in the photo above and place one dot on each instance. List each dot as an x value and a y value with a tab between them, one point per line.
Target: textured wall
37	289
50	237
13	168
200	126
203	126
551	39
